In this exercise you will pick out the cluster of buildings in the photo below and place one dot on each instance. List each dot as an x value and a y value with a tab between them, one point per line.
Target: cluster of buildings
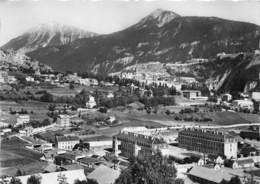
79	80
5	78
216	151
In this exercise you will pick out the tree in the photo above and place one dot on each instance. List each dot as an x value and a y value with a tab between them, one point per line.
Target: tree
18	173
234	180
51	107
154	169
71	86
34	180
15	180
46	97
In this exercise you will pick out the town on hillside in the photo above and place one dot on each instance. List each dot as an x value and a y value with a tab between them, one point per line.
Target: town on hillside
179	122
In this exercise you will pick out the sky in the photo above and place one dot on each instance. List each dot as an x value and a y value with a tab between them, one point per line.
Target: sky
103	17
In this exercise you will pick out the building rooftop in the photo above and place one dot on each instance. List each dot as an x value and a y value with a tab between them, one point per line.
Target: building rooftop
245	161
69	167
210	174
68	156
104	175
66	138
88	160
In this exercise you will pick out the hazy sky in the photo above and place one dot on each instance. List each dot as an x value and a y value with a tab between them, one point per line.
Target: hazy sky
108	16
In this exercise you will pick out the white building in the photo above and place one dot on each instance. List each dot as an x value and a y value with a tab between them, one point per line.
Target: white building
243	104
22	119
91	102
3	77
29	79
255	95
11	79
66	142
85	82
227	97
63	120
110	95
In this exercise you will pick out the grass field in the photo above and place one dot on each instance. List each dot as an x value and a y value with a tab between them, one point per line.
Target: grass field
15	156
39	109
66	91
13	153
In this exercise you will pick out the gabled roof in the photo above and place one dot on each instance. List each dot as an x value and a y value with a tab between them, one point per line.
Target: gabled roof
69	167
68	156
51	168
104	175
87	160
245	161
66	138
210	174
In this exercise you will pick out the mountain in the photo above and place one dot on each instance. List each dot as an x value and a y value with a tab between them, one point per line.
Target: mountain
158	17
45	35
162	36
167	38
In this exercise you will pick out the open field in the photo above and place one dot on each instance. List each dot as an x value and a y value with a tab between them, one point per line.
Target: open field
14	154
66	91
39	109
230	118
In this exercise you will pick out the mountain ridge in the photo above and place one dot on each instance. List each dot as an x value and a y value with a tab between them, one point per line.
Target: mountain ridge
178	40
43	35
163	37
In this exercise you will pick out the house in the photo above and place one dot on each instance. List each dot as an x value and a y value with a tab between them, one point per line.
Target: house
29	79
201	162
85	82
188	80
111	119
3	125
3	77
55	177
63	120
215	159
11	79
104	175
243	104
89	162
243	163
66	158
255	95
22	119
191	94
91	103
110	95
82	110
29	131
227	97
49	155
66	142
7	130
